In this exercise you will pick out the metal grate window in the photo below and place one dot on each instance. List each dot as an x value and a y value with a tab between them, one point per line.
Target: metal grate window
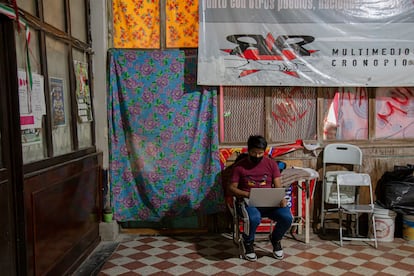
292	114
243	113
282	114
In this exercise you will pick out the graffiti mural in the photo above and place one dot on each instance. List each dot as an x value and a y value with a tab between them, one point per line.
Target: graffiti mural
293	113
346	114
394	113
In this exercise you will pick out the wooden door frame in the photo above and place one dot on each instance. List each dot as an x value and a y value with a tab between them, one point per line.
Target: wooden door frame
11	141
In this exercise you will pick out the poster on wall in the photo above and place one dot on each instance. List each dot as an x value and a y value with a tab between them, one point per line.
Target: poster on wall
58	102
351	43
83	96
32	107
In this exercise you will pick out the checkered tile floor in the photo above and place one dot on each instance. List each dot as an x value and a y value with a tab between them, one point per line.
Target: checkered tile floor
218	255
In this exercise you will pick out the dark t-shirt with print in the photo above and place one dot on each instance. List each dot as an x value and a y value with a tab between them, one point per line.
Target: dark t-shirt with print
250	175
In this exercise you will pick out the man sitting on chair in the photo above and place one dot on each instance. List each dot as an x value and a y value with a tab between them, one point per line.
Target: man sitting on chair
258	171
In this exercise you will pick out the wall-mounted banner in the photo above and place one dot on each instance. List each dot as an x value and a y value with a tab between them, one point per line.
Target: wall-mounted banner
306	42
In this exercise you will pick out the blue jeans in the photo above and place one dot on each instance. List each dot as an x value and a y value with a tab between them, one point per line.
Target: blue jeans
282	216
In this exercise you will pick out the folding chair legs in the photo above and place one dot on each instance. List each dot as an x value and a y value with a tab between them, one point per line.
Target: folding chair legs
340	229
374	230
238	237
371	217
236	232
241	247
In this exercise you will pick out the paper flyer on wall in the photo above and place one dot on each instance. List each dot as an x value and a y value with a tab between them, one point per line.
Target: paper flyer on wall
32	107
31	102
83	96
58	101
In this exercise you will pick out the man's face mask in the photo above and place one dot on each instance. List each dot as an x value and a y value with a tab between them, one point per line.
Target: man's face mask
256	155
255	159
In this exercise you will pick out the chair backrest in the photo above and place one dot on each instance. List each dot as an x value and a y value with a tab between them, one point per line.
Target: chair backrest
355	180
339	153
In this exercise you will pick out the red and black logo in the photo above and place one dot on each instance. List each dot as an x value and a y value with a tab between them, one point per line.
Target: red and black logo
260	53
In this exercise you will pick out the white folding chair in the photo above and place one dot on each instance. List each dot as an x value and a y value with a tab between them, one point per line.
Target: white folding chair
350	158
357	180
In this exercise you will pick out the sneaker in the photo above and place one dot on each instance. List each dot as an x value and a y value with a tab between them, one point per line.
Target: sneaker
249	253
277	250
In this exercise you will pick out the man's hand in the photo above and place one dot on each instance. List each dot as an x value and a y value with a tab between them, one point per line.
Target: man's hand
235	191
283	203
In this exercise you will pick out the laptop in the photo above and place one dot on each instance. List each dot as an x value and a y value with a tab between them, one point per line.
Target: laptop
266	197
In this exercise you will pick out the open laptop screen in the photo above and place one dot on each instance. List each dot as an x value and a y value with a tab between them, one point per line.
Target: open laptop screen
266	197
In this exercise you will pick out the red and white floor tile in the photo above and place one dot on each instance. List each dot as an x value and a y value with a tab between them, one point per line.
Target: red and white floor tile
218	255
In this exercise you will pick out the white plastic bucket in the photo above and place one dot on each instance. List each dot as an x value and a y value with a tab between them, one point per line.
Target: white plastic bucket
384	224
408	227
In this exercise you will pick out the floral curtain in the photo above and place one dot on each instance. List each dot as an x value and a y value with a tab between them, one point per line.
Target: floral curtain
181	24
163	149
136	24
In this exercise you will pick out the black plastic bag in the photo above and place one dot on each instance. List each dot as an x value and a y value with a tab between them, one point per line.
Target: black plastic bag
395	190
